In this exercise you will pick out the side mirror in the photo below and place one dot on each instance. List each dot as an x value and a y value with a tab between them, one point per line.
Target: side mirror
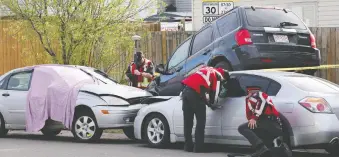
160	69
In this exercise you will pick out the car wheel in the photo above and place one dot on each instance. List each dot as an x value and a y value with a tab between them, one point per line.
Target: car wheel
223	65
156	131
50	133
129	132
333	146
3	130
85	127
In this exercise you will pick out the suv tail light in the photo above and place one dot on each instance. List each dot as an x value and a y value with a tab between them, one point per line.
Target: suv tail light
312	40
316	105
243	37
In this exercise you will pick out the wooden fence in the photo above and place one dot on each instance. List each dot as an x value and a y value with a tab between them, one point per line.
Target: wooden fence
159	46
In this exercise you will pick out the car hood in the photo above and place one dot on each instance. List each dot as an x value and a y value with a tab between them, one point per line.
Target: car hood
123	91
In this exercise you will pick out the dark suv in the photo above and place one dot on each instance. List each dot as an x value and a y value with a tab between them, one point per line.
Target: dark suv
245	38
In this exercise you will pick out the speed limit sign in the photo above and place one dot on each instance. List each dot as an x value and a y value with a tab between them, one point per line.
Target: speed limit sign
211	8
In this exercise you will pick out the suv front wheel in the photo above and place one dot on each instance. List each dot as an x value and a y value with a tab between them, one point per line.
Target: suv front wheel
224	65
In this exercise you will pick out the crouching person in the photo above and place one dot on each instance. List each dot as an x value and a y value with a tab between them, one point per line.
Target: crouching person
263	129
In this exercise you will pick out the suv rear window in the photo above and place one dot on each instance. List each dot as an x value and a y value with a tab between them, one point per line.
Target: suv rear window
272	18
312	84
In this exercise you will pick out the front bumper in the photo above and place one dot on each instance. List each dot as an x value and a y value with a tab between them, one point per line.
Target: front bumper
117	117
137	127
325	129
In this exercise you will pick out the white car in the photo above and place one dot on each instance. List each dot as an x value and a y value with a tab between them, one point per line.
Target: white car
107	105
308	105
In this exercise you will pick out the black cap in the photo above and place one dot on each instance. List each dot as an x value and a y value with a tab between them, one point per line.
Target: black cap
138	57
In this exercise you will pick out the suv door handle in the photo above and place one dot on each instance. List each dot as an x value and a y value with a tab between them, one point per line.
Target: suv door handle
5	94
207	52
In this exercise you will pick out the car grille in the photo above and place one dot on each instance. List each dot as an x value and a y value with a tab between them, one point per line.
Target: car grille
134	101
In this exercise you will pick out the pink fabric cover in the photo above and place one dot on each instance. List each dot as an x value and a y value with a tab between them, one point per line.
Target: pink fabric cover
53	94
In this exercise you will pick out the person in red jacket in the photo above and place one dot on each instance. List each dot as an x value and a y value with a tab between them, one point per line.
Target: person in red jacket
264	127
201	89
140	72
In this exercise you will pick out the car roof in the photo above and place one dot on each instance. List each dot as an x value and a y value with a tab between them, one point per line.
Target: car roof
267	73
263	7
34	66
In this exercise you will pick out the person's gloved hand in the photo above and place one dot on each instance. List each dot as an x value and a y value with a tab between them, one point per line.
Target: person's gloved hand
147	75
136	72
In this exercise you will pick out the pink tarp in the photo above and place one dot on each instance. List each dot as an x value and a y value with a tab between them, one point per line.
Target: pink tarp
53	94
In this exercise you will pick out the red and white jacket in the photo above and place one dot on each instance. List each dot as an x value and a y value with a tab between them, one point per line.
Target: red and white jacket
206	81
259	103
135	70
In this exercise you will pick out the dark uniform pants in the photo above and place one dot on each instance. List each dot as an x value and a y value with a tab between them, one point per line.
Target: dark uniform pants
264	134
193	105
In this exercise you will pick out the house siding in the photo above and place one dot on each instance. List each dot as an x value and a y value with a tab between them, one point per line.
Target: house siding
319	13
183	5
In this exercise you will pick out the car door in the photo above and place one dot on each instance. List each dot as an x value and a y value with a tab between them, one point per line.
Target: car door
170	81
234	108
200	50
14	97
212	127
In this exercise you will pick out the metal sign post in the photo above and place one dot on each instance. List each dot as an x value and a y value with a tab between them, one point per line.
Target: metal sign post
212	9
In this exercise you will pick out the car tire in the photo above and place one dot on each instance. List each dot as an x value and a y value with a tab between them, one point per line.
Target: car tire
156	131
129	132
50	133
332	148
224	65
85	127
3	130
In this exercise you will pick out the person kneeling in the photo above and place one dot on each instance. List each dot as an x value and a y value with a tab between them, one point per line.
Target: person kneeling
264	127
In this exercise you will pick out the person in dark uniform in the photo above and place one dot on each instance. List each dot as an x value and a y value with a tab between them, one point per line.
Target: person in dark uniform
201	89
264	127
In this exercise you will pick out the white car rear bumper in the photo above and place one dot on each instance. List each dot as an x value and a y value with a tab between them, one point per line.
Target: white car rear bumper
325	129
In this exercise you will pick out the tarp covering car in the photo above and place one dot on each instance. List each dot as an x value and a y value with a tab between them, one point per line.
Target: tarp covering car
52	95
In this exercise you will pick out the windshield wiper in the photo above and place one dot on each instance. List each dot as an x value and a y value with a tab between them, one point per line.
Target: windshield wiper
283	24
105	75
93	77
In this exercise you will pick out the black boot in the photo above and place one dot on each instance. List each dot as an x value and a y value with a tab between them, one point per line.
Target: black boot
262	151
198	149
188	147
286	150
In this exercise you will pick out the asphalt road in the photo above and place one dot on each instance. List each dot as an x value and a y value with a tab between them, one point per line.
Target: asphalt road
20	144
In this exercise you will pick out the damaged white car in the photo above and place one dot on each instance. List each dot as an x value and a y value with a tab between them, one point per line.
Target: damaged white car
50	98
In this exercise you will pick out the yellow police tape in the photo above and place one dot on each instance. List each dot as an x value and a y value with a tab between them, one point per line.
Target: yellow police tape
286	69
303	68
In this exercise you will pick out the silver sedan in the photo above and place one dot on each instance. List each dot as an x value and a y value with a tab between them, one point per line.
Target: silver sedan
308	106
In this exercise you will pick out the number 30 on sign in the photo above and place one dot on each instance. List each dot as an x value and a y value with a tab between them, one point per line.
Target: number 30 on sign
211	8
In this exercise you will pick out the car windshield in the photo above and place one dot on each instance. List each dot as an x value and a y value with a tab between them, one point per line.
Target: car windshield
103	77
312	84
261	17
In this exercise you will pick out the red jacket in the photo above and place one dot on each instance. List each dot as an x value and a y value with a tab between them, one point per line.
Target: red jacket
147	65
259	103
205	81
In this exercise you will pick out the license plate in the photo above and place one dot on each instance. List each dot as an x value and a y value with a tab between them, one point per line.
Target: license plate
280	38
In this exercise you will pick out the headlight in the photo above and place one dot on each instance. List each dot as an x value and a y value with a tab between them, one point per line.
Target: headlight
111	100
